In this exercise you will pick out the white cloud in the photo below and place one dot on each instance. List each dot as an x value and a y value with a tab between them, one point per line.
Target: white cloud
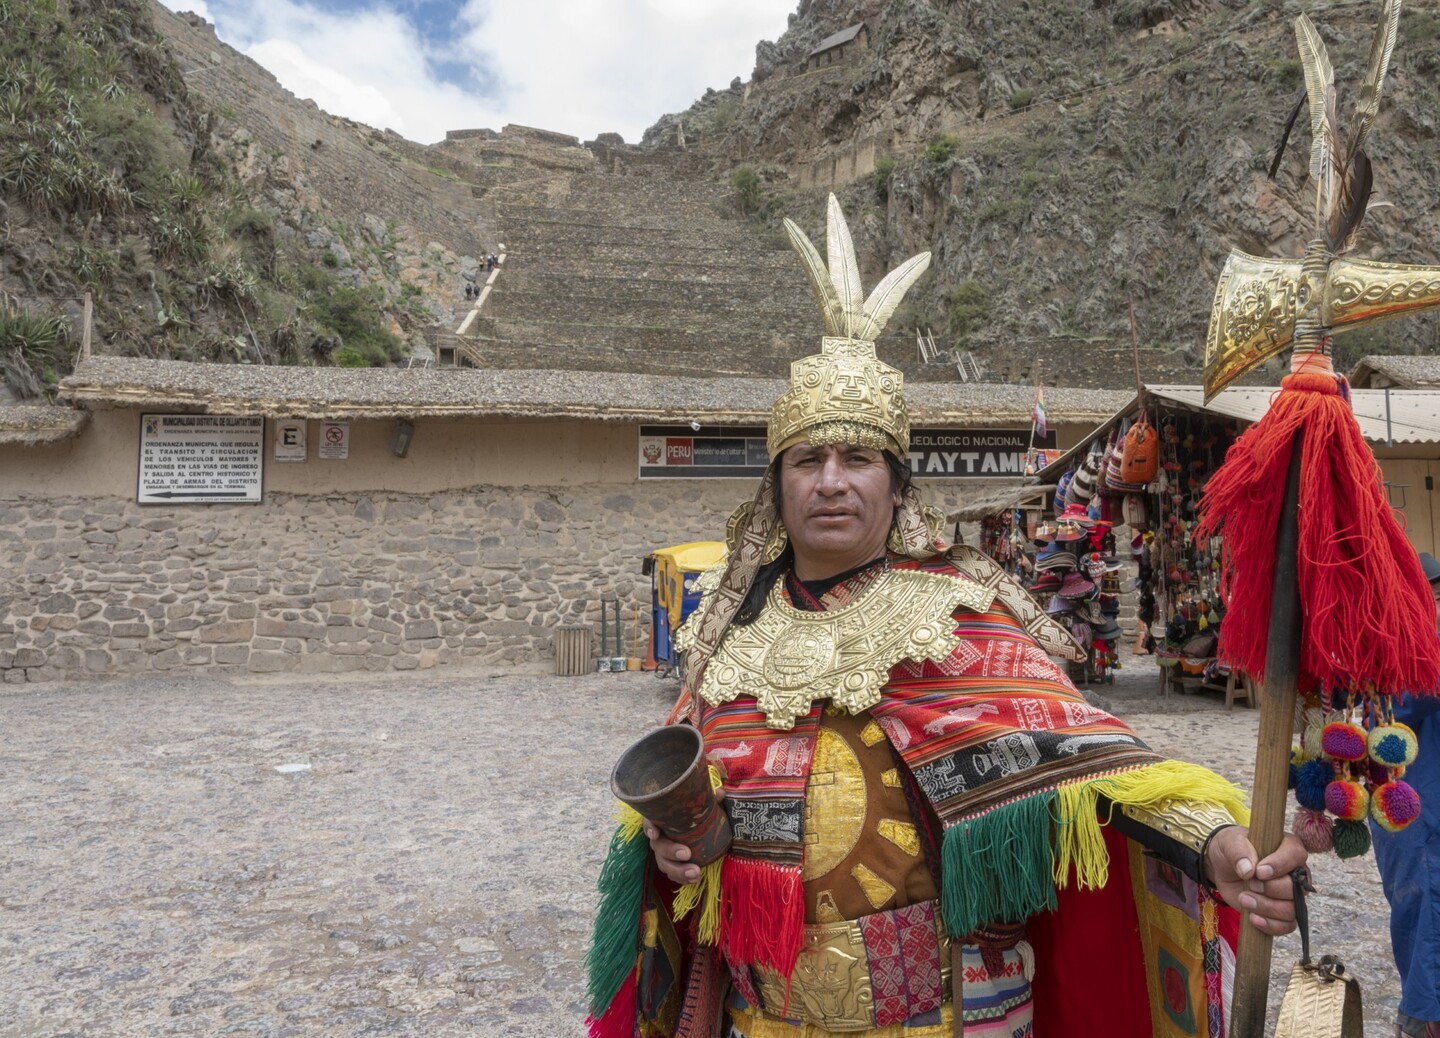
576	66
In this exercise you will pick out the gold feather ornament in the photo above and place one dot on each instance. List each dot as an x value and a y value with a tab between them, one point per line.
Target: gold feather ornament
844	393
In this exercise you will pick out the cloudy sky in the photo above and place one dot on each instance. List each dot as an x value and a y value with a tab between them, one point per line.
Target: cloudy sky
421	67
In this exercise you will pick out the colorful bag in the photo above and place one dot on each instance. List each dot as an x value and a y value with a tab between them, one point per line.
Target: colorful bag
1141	459
1114	469
1134	512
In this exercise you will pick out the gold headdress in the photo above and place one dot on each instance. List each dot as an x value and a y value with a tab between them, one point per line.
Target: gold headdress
844	393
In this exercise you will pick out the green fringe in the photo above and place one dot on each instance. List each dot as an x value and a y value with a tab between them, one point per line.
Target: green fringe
615	941
998	867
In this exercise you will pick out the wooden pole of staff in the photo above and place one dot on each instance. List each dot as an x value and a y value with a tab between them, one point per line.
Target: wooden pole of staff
1272	752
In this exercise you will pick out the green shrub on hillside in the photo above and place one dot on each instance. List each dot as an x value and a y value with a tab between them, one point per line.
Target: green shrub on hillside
355	317
880	177
967	306
34	349
941	152
749	190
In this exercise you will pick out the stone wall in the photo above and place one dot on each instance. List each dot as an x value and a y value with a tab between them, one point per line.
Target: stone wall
845	163
344	582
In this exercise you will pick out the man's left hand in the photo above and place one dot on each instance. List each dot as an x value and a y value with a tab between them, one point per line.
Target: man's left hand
1259	887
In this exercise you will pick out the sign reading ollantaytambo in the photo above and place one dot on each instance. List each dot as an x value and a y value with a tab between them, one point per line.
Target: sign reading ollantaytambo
206	458
681	452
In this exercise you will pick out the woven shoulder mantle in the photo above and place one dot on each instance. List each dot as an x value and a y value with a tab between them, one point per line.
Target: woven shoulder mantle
788	658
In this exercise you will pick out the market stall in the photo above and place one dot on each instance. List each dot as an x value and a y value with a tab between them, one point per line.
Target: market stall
1175	577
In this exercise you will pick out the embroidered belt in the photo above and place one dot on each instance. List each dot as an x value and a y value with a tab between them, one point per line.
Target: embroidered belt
875	971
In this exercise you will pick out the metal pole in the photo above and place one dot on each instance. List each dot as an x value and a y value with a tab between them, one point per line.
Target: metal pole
1272	751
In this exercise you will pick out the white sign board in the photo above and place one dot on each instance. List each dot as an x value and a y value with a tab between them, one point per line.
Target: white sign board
290	439
334	441
204	458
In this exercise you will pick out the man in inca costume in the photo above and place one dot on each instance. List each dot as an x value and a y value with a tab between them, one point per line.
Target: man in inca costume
926	814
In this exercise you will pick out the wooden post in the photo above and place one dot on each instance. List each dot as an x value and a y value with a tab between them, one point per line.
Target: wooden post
1272	751
85	327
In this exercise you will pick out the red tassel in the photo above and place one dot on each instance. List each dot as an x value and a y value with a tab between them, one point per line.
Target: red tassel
764	908
619	1018
1369	615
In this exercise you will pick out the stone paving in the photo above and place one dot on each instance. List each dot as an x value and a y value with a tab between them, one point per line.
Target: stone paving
429	871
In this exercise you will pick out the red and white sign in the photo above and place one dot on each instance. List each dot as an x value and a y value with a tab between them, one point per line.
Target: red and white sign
334	441
679	451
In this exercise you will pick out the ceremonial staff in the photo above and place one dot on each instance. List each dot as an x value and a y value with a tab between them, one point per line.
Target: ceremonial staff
1324	592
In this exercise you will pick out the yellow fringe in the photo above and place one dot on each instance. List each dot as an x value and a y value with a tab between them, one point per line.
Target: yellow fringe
629	820
1080	844
704	892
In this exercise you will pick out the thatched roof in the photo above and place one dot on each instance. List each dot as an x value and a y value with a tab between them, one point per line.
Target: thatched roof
994	500
1382	372
296	392
37	425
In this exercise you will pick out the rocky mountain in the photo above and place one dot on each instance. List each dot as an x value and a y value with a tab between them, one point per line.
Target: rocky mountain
1062	159
1059	159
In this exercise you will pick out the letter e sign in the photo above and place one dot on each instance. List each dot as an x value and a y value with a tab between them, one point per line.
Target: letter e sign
290	439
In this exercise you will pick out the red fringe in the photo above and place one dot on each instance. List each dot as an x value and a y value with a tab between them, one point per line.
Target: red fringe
764	913
619	1018
1369	615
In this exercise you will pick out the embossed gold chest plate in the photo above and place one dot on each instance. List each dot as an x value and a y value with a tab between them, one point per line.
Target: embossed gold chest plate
788	658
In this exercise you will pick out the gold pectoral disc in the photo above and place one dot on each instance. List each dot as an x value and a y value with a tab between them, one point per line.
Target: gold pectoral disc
788	658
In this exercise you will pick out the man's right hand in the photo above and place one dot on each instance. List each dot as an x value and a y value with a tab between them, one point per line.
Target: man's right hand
673	858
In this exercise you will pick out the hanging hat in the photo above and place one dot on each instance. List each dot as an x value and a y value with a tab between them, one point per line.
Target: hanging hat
1057	606
1044	533
1076	585
1096	565
1046	583
1108	631
1075	514
1431	566
1062	487
1060	560
1082	487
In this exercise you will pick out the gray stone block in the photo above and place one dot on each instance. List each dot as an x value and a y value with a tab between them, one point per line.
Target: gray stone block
228	631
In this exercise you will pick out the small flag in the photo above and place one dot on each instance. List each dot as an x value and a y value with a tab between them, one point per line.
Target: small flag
1037	415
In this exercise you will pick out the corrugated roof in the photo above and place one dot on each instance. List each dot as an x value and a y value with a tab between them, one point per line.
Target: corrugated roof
836	39
296	392
1385	416
34	425
1396	415
1403	371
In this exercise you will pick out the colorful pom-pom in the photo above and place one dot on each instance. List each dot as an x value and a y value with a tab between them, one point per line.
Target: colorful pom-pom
1314	829
1343	741
1352	839
1394	805
1345	798
1393	745
1310	781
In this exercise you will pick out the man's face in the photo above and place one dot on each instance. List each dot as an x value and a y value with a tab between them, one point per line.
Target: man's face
837	503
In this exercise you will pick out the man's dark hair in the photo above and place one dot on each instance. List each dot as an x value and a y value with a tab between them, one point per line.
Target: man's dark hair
901	479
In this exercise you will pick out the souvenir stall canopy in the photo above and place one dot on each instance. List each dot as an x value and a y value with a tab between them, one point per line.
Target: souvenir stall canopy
1001	521
1149	463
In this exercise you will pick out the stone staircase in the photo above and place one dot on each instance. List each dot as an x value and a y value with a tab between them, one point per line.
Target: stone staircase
646	274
